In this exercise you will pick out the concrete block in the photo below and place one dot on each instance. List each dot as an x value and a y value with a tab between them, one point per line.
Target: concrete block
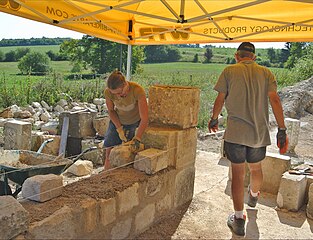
42	188
80	124
151	160
59	225
51	148
81	168
309	207
101	125
176	106
186	148
293	130
121	230
273	167
121	155
144	218
17	135
128	199
291	194
184	186
107	211
13	218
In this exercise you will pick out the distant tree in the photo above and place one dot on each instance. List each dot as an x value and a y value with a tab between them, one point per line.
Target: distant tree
295	53
161	53
10	56
271	54
34	63
196	58
208	55
21	52
1	56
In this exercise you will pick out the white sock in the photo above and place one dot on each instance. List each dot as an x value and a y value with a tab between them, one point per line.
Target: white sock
239	214
254	194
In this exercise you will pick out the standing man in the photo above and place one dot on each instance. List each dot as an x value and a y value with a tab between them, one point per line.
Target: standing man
128	111
246	87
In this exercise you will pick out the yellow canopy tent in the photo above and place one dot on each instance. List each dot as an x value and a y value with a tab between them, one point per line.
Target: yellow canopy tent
143	22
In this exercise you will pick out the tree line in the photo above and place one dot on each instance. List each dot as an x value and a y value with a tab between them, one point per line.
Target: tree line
101	56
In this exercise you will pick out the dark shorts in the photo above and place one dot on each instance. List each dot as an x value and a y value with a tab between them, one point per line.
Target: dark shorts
237	153
111	137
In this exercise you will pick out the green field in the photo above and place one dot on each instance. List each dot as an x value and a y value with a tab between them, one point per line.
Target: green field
41	49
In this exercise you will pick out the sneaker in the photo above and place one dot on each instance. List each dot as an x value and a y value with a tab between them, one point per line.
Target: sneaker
252	201
237	225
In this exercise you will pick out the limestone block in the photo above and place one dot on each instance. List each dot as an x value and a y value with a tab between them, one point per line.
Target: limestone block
176	106
51	127
291	194
128	199
121	155
309	207
186	147
7	113
184	186
151	160
81	168
164	205
59	225
101	125
96	156
293	129
144	218
154	185
13	218
273	167
80	124
17	135
42	188
107	211
121	230
308	184
51	148
89	216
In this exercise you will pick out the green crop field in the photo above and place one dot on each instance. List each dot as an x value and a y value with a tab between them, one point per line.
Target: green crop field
41	49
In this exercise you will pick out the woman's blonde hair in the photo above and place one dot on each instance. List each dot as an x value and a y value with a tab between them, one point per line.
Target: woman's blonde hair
116	80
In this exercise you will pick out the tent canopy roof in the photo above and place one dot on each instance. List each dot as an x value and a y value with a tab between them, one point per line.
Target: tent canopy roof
151	22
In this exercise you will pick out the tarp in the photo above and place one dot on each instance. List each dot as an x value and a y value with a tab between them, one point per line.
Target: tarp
143	22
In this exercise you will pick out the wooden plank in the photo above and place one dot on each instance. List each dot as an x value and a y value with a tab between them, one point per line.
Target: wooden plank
64	134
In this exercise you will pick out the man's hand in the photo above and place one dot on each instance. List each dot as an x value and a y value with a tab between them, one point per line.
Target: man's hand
121	134
213	125
282	140
135	144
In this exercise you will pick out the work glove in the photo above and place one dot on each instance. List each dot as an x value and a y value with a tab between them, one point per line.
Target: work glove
213	125
121	134
282	140
135	144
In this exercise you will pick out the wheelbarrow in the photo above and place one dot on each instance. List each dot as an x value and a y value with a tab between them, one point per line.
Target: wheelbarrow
18	165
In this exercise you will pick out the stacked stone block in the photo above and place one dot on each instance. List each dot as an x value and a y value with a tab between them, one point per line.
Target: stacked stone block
17	135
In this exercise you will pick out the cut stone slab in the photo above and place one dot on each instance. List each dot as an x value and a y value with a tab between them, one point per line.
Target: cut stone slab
13	218
309	208
17	135
291	194
42	188
81	168
151	160
121	155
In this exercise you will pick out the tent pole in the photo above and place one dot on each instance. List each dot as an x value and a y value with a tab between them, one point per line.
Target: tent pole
129	58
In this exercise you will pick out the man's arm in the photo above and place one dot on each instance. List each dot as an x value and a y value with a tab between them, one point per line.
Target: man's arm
277	109
218	105
143	112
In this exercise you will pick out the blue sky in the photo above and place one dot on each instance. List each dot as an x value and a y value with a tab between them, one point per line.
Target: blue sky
12	27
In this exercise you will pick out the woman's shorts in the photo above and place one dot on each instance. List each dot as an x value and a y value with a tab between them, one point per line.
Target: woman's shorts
237	153
111	137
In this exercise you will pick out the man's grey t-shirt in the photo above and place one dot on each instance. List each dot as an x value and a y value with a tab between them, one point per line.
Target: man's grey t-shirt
246	85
